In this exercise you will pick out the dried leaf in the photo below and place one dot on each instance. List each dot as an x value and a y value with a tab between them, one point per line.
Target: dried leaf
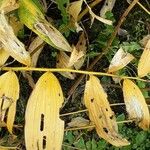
28	76
78	122
15	24
37	23
74	10
11	44
37	42
101	114
135	104
62	62
34	45
8	5
108	6
145	39
120	60
81	47
9	94
106	21
3	56
75	56
43	127
144	65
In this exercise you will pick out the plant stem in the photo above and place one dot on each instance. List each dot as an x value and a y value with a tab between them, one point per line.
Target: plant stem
93	126
70	70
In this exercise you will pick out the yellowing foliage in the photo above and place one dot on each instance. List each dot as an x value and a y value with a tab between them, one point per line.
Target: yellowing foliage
43	128
135	104
12	45
101	114
144	62
9	94
37	23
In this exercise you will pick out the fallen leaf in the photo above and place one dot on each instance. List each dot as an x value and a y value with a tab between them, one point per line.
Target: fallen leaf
8	5
135	104
62	62
9	94
120	60
43	127
144	65
11	44
101	114
38	24
93	16
78	122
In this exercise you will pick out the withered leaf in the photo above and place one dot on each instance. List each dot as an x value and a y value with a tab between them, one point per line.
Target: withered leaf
8	5
101	114
74	10
62	62
11	44
120	60
93	16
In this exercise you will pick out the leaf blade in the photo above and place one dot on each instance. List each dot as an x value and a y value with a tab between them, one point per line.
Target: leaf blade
101	114
43	123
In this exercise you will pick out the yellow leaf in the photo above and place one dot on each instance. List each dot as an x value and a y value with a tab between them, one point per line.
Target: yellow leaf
74	10
81	48
106	21
120	60
144	62
75	56
34	45
8	5
43	128
3	56
135	104
37	23
101	114
62	62
11	44
9	94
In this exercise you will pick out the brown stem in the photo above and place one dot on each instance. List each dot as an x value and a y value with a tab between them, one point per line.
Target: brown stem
106	49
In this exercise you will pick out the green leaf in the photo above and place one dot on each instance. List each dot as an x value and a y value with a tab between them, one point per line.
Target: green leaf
102	144
69	137
88	145
62	8
94	145
130	47
80	143
141	137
